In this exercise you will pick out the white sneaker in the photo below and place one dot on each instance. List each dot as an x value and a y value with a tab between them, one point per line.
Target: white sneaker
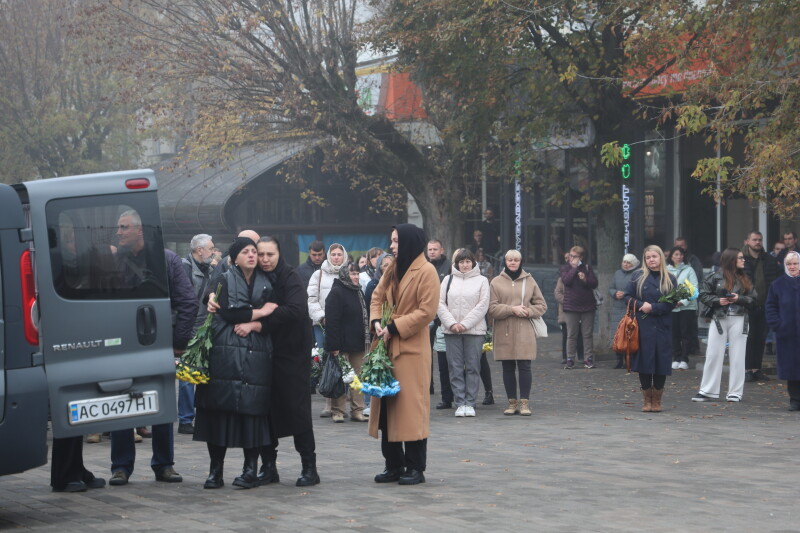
365	412
675	365
469	410
684	365
461	411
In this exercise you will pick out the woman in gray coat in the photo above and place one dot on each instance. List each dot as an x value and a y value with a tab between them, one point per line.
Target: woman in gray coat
617	292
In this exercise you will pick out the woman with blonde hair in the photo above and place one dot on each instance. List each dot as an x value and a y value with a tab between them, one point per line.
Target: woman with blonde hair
515	298
653	361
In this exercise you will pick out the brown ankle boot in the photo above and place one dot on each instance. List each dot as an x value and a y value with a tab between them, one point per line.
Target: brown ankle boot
512	407
657	394
647	394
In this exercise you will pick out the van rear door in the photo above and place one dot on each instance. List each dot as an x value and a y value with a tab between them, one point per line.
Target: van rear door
105	320
23	385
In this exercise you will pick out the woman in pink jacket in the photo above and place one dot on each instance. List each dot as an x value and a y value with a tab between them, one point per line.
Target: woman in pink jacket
463	303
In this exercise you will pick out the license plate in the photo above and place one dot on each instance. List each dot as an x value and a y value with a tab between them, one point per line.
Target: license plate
122	406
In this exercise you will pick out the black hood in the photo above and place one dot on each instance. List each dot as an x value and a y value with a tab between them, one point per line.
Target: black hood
411	243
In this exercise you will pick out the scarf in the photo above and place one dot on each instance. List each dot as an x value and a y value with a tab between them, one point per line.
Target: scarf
335	269
344	278
513	274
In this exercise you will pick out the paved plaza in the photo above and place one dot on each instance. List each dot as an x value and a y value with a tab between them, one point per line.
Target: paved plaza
587	460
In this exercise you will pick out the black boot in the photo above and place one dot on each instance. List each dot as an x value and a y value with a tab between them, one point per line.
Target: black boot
249	477
620	362
488	398
268	474
308	476
217	456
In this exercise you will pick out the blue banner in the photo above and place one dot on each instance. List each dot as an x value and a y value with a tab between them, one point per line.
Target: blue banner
355	244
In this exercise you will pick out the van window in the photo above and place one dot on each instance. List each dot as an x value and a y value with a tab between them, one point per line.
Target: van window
106	247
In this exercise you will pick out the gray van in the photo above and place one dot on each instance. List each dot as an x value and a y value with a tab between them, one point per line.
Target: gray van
82	338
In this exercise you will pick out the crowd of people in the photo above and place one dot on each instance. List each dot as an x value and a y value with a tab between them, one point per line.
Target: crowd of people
268	316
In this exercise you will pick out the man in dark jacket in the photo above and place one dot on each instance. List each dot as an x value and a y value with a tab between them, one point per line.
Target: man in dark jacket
197	266
790	245
437	257
316	255
184	311
762	269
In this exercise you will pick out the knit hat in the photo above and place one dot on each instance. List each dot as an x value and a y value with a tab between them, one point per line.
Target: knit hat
630	258
237	246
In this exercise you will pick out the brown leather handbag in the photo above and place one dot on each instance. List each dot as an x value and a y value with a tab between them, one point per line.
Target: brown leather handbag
626	338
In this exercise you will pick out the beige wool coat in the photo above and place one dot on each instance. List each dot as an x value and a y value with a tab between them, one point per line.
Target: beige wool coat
416	301
513	336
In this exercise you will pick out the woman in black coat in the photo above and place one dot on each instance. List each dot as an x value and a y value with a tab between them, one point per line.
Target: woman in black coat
232	407
292	341
287	320
653	361
347	332
783	316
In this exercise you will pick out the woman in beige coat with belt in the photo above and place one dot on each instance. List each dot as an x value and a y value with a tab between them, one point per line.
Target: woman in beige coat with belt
515	299
411	286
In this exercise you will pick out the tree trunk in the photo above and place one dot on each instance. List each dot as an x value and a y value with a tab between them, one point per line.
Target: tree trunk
441	215
609	251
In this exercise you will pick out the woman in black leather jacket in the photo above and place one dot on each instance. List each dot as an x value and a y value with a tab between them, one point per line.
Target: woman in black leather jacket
727	293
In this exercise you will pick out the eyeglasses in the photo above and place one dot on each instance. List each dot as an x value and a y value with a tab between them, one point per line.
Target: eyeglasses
740	257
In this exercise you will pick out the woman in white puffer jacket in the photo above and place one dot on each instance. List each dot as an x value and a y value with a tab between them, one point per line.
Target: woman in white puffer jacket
321	282
463	304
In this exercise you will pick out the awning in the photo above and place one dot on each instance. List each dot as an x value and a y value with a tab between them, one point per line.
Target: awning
192	197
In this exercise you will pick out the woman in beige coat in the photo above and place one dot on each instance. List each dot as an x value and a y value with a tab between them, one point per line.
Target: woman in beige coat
515	299
411	286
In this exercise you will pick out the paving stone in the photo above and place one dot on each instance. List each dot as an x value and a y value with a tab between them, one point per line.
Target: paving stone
587	460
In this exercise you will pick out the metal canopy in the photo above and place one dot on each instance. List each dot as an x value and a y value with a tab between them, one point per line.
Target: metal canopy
192	197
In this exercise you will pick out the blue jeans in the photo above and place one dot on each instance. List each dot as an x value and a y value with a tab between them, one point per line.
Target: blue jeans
185	402
319	336
123	449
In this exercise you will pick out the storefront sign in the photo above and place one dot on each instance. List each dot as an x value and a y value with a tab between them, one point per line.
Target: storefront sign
517	216
626	199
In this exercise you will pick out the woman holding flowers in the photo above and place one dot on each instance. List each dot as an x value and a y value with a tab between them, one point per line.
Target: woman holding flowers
685	310
515	299
232	407
653	361
411	288
728	293
347	333
463	303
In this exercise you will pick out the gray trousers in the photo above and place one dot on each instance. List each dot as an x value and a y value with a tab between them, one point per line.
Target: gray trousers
582	323
464	363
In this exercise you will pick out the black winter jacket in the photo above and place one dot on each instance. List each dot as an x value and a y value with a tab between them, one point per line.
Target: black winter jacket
182	299
240	368
306	270
344	320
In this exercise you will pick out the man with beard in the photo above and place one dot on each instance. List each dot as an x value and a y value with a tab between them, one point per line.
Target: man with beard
762	269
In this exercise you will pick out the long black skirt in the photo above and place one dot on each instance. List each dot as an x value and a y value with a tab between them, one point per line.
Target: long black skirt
231	430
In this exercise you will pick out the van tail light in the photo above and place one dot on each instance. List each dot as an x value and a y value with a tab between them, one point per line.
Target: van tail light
28	297
137	183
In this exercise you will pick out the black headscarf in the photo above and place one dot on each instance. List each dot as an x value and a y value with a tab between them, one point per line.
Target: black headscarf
411	242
